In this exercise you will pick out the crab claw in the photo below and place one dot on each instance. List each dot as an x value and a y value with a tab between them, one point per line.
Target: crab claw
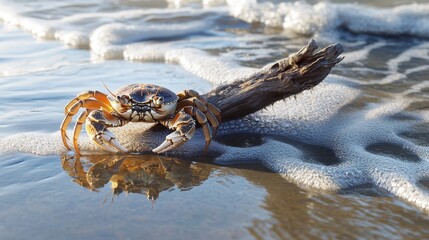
183	133
173	140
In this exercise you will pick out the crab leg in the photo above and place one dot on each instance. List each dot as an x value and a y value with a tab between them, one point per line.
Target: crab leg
77	129
211	112
194	94
90	104
101	97
202	119
184	126
187	94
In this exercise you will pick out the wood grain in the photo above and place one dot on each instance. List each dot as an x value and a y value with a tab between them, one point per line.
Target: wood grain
276	81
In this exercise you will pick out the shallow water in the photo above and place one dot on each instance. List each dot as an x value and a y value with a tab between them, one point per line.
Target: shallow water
57	196
346	159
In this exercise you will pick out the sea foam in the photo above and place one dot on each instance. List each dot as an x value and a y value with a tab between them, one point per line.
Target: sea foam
99	30
306	19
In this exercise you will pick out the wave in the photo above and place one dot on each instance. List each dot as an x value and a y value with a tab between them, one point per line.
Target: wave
306	19
99	31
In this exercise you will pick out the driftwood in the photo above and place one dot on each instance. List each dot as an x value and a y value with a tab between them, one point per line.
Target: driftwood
284	78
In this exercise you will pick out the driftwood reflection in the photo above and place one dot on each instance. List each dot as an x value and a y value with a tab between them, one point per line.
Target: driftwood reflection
143	174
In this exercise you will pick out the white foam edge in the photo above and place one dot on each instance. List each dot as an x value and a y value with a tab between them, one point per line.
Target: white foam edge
305	19
110	40
70	32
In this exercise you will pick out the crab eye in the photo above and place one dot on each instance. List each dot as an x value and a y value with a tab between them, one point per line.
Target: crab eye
158	101
123	99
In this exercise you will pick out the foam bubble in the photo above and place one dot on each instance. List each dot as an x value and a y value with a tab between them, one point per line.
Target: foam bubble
306	19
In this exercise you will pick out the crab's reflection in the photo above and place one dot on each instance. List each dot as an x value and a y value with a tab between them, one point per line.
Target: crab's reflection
143	174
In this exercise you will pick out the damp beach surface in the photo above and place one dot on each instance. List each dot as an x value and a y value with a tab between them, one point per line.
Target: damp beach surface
347	159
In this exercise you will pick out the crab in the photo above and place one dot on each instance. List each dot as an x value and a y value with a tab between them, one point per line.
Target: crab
140	103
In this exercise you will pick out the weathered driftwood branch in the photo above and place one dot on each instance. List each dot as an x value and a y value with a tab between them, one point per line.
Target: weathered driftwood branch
286	77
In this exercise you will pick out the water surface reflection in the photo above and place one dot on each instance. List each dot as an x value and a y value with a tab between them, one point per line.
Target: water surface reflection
242	201
142	174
